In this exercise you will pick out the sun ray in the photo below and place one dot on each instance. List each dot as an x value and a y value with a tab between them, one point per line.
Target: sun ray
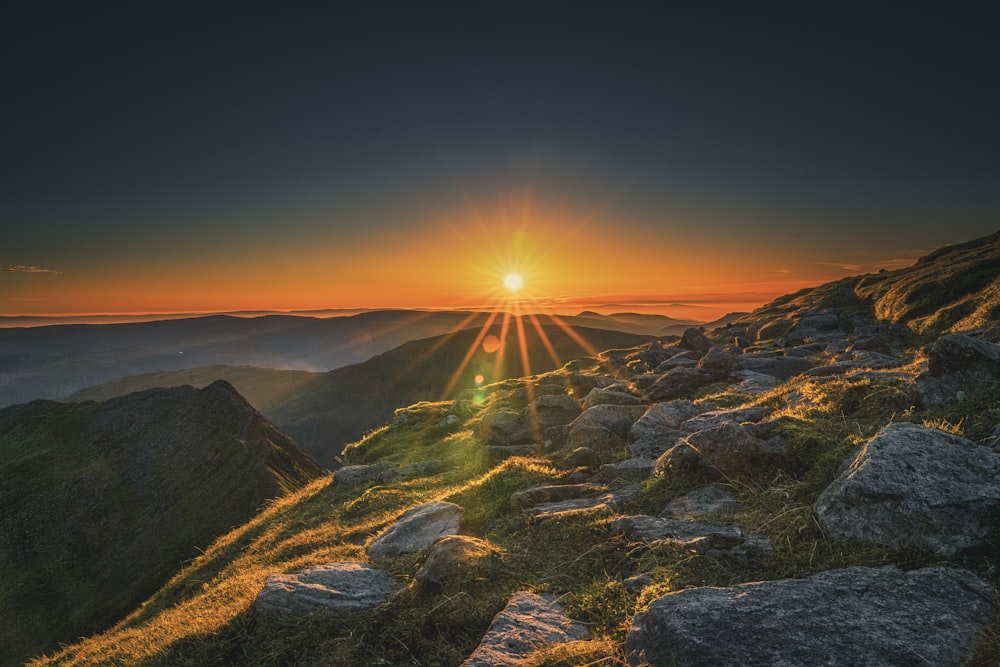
545	340
468	356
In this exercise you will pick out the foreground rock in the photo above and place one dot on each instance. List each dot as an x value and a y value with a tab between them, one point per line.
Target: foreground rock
339	587
916	486
855	616
702	537
416	530
528	623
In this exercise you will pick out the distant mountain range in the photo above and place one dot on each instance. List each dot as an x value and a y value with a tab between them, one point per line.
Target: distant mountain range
103	502
55	361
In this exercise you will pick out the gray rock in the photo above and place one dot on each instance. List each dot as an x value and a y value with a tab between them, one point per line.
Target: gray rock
702	501
628	470
782	368
528	623
728	447
362	474
717	361
603	428
604	503
416	530
693	339
419	469
752	382
598	396
855	361
343	587
616	418
551	410
714	418
956	365
636	583
679	360
504	428
678	383
449	555
702	537
581	457
555	493
915	486
855	616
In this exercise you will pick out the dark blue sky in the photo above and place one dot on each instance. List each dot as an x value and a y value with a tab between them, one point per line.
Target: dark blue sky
837	124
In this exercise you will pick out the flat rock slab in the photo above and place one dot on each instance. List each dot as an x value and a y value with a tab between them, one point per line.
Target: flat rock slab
915	486
704	537
342	587
416	530
603	503
714	418
528	623
856	616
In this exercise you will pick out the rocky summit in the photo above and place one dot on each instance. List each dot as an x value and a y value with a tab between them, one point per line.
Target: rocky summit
814	483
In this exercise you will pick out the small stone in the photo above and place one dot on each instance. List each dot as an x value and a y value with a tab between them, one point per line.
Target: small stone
342	587
449	555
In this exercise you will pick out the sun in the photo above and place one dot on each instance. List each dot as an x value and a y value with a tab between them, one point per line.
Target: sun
513	282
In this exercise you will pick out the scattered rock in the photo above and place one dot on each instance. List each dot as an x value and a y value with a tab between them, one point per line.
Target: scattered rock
581	457
782	368
957	365
598	396
702	501
854	616
342	587
703	537
915	486
448	555
659	427
504	428
603	503
636	583
361	474
555	493
713	418
717	361
616	418
552	410
529	622
416	530
693	339
625	471
678	383
728	447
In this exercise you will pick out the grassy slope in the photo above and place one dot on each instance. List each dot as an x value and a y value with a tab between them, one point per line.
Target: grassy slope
103	502
204	615
955	288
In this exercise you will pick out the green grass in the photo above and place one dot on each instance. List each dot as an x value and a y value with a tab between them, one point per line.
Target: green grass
204	615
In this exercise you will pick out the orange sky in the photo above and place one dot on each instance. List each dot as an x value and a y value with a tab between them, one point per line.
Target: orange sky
452	256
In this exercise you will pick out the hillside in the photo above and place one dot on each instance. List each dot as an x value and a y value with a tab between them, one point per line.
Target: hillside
955	288
103	502
338	407
810	485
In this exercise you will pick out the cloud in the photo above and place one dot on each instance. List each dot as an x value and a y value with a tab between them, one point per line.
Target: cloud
840	265
21	268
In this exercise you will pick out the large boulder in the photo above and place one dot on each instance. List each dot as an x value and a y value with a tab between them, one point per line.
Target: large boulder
552	410
338	587
416	530
855	616
528	623
693	339
915	486
956	365
603	427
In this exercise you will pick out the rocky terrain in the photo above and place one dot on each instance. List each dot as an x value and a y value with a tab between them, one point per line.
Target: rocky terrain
103	502
816	483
